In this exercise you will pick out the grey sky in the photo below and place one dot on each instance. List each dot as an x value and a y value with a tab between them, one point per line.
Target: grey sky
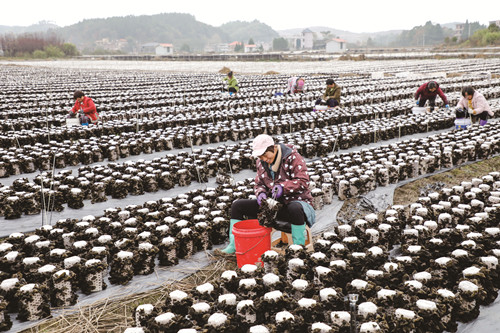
350	15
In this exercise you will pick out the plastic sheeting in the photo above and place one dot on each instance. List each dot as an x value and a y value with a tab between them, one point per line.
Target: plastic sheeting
487	322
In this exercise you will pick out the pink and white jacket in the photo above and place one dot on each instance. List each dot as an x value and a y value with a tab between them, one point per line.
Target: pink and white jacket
292	85
291	174
479	104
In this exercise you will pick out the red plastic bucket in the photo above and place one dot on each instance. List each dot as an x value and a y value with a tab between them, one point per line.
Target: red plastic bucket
251	241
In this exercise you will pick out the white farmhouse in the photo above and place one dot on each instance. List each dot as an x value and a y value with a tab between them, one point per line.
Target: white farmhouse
336	45
250	48
164	49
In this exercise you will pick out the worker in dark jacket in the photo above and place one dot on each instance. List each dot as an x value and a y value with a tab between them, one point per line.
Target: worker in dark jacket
282	175
331	97
428	92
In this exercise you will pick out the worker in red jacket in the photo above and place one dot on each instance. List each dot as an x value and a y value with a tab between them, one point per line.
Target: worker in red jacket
429	91
86	105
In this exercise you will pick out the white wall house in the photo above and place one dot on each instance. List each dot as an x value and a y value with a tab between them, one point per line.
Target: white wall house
164	49
336	45
308	39
497	22
459	29
250	48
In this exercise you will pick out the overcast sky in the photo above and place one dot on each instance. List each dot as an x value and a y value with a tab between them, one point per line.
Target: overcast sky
350	15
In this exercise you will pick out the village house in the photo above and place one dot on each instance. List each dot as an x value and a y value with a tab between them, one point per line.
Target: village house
335	45
164	49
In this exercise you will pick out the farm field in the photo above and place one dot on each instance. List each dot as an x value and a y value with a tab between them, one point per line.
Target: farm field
117	314
139	202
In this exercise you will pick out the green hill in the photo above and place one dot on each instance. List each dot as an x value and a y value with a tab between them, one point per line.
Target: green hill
243	31
181	30
178	29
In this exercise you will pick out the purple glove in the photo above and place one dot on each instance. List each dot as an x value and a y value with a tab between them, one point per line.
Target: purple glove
260	197
277	191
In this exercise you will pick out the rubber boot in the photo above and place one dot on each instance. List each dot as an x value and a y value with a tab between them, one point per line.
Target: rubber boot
483	122
299	234
230	249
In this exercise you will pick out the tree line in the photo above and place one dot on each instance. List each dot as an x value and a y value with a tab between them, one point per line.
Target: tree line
36	45
485	37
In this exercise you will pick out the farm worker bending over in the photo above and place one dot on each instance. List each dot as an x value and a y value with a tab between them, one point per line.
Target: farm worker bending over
429	91
331	97
475	103
282	175
86	105
232	83
295	85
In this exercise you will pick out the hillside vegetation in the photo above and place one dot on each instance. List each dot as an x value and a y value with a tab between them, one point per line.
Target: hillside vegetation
243	31
175	28
182	30
485	37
